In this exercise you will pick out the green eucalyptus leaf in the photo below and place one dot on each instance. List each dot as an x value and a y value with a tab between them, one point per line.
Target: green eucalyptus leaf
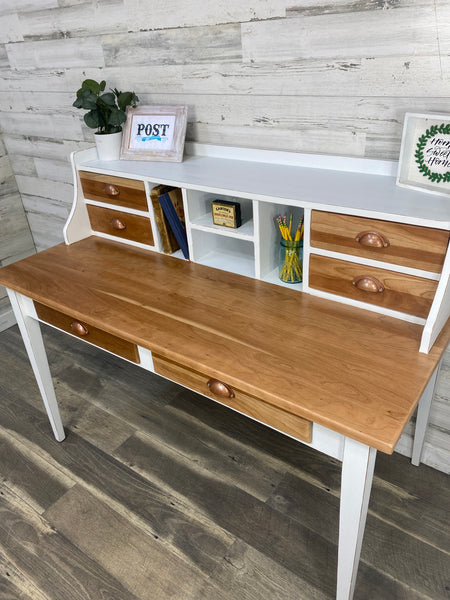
117	117
108	99
92	86
124	99
92	119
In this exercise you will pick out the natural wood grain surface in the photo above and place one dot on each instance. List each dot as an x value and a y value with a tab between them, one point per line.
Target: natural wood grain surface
409	245
356	372
136	228
94	335
405	293
129	192
274	500
248	405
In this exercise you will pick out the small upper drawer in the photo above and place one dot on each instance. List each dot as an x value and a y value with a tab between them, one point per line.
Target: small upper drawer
413	246
128	193
248	405
91	334
397	291
121	224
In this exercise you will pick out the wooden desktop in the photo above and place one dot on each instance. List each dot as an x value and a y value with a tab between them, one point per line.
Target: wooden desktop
331	372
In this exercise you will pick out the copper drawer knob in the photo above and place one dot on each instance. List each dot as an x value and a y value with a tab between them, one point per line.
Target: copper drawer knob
373	239
111	190
78	328
117	224
218	388
366	283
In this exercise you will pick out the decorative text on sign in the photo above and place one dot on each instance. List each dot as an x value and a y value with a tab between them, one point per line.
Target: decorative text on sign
152	132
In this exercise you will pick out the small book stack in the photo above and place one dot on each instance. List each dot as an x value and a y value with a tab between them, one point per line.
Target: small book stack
169	214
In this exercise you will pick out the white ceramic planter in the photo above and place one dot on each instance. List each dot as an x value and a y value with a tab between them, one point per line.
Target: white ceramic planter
108	145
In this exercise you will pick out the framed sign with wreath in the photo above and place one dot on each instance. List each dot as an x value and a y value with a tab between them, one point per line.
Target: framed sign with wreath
425	153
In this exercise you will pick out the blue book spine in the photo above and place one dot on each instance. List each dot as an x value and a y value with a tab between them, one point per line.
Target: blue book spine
174	222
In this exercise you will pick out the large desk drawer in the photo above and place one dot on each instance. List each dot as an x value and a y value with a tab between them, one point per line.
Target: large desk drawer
124	192
248	405
413	246
89	333
397	291
121	224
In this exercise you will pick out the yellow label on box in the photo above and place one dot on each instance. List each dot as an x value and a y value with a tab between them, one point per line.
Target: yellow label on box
224	214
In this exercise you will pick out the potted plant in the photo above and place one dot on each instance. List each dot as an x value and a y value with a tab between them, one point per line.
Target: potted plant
106	113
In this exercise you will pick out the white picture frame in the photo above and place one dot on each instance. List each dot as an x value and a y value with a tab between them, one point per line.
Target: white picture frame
424	162
154	133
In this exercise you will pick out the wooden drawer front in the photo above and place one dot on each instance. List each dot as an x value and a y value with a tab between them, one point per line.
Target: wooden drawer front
408	245
87	332
405	293
120	224
114	190
248	405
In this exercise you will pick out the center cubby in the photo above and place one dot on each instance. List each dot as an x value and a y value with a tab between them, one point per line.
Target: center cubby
199	214
222	252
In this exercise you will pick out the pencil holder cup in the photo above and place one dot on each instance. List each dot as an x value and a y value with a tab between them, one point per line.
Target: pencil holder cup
291	261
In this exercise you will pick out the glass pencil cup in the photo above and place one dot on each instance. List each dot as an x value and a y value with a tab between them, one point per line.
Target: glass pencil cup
291	261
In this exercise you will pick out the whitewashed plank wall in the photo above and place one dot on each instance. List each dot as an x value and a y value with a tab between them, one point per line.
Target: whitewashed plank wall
16	240
332	76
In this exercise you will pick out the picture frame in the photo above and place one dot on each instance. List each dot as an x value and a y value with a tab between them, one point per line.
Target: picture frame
154	133
424	162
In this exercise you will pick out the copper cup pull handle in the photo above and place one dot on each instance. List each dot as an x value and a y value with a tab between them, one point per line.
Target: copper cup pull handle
79	328
366	283
373	239
219	388
117	224
111	190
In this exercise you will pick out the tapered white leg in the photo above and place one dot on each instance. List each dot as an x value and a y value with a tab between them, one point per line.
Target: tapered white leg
423	414
357	473
32	338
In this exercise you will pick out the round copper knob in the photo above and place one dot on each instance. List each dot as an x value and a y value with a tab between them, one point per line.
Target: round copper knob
367	283
118	224
78	328
218	388
111	190
372	239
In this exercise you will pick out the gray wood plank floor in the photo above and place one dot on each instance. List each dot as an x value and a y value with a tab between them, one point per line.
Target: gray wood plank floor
158	493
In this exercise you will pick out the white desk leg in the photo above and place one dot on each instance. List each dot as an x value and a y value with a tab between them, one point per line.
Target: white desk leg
357	472
32	338
423	414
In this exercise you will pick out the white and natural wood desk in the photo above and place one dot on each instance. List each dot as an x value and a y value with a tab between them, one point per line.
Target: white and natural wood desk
332	365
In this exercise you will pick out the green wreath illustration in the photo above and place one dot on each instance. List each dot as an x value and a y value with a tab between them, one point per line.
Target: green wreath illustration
420	159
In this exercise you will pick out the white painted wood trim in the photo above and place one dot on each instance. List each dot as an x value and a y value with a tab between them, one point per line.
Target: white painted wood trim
356	484
77	226
306	249
151	215
440	309
32	338
314	161
372	307
423	415
146	359
113	238
124	209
